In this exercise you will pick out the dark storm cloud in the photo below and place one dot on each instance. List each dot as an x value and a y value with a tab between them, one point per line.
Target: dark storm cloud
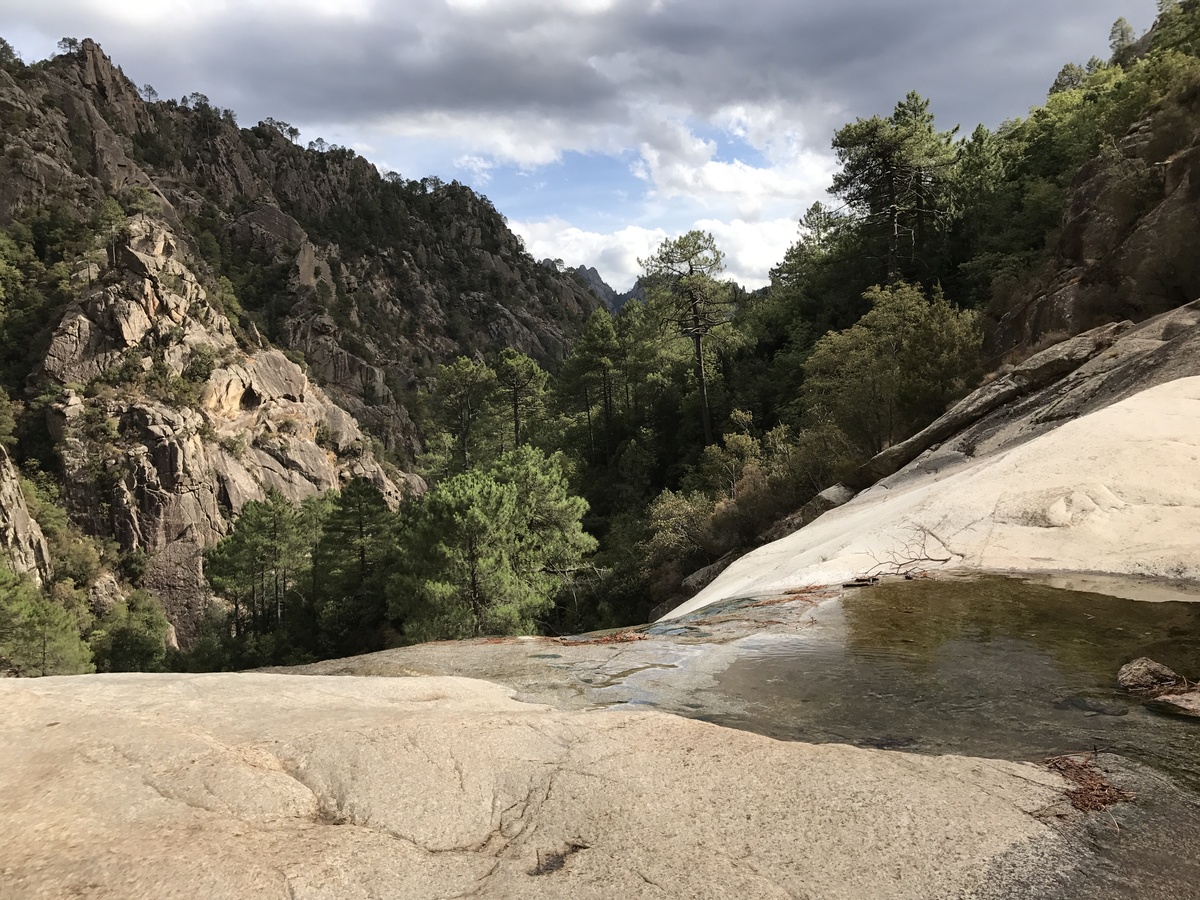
976	61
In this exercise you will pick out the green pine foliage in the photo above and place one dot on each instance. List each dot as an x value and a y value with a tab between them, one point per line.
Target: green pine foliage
895	370
485	551
131	637
37	635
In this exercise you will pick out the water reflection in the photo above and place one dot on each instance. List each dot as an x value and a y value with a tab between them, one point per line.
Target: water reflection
993	667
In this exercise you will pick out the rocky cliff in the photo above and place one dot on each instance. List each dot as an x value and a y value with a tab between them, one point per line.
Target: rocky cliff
21	538
166	428
1129	245
213	312
375	279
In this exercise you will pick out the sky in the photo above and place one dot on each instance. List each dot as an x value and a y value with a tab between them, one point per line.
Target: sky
599	128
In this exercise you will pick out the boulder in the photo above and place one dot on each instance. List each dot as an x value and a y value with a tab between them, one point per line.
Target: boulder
830	498
1178	704
1144	674
703	577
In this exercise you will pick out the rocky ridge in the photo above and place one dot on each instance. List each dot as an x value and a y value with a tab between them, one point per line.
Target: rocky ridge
170	405
1129	246
21	538
374	279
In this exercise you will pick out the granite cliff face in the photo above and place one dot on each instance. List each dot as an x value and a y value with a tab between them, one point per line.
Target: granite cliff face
166	428
1129	247
21	539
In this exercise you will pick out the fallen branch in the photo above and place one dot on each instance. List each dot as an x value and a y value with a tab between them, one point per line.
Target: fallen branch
908	555
619	637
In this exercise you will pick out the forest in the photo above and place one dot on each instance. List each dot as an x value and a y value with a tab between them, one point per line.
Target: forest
576	494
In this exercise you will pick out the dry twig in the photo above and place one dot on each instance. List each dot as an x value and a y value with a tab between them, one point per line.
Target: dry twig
1093	791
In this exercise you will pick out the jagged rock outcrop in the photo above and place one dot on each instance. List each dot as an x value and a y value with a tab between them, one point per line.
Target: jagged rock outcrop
1129	247
598	286
21	540
173	410
166	428
149	297
45	121
375	280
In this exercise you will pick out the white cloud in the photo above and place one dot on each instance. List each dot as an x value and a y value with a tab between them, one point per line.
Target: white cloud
678	164
493	140
479	167
615	254
751	248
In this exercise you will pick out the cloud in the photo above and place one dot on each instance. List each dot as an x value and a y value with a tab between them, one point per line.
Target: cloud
615	255
750	248
478	166
472	86
685	166
594	61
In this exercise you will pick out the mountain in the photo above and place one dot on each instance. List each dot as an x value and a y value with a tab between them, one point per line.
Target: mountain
601	288
196	313
373	278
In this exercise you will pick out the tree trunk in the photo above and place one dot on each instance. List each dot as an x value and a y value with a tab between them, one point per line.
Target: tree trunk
701	376
607	415
893	263
587	405
516	418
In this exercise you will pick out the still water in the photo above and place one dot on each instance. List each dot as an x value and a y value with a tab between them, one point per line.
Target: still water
993	667
996	668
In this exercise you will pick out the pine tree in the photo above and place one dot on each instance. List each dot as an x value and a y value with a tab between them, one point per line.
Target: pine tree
523	383
486	551
260	567
463	405
895	173
1121	36
37	636
682	275
350	569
